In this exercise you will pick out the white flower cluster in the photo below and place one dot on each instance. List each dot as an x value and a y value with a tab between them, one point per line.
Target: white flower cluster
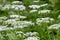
20	34
9	21
2	28
40	20
54	26
31	11
34	6
15	24
18	24
32	38
6	7
27	34
15	7
43	5
44	11
17	2
14	16
37	6
17	16
41	11
22	24
31	34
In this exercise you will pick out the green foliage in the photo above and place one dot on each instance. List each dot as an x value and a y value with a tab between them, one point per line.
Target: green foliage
27	2
55	4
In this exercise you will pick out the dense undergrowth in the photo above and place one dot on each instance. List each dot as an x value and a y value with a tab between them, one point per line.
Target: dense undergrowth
28	20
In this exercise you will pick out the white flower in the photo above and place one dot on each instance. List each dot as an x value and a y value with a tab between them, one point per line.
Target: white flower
18	7
14	16
43	5
37	6
9	21
23	17
16	2
20	33
35	0
17	16
3	18
22	24
2	28
15	26
44	11
18	24
15	7
59	16
34	6
54	26
40	20
7	6
22	7
32	38
31	33
31	11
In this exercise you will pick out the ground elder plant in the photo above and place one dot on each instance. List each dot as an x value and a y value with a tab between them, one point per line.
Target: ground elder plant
29	20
